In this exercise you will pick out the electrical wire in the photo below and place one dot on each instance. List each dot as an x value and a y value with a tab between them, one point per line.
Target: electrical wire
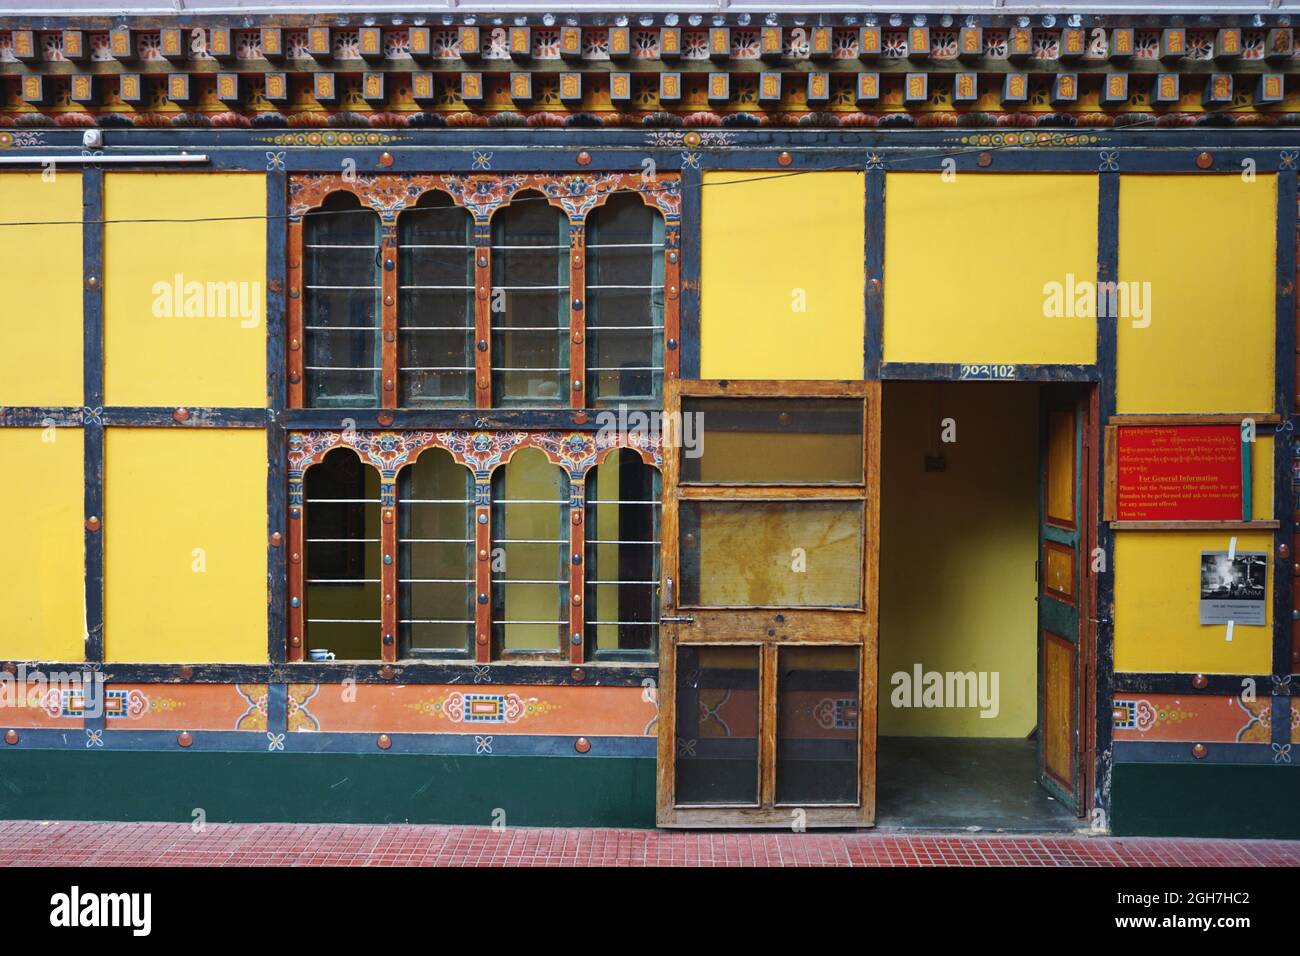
886	163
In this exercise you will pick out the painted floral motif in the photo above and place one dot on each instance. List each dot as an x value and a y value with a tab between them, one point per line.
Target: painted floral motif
844	44
297	699
248	44
1047	46
695	45
256	696
297	46
995	44
1252	44
148	46
397	44
445	44
101	49
744	45
645	44
943	44
893	45
347	45
1146	45
460	707
1200	44
546	44
52	47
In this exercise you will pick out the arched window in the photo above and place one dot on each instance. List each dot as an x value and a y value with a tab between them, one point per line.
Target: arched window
530	554
625	301
341	304
341	523
435	587
530	303
622	525
436	303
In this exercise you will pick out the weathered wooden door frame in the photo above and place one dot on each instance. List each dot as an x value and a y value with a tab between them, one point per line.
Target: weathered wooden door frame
770	628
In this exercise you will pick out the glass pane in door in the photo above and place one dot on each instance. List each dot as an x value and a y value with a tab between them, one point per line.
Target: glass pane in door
717	725
817	725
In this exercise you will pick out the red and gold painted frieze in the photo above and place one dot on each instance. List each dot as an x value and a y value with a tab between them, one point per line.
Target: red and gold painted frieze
1201	719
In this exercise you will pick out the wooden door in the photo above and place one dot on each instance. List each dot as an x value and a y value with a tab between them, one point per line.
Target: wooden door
768	637
1062	591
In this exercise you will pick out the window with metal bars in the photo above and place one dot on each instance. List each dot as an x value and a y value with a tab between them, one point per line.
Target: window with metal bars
341	311
435	314
625	302
530	303
342	554
438	558
622	557
546	296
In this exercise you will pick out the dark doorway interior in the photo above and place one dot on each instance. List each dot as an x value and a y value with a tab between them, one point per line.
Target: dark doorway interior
955	783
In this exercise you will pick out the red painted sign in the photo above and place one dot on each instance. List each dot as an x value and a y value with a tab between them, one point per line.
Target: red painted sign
1179	473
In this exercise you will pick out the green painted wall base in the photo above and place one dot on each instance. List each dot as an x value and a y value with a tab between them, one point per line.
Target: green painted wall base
1205	800
327	788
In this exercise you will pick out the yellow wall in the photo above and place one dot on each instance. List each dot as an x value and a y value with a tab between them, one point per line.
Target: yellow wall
40	273
170	492
957	550
966	262
1210	343
765	243
190	354
42	614
1157	606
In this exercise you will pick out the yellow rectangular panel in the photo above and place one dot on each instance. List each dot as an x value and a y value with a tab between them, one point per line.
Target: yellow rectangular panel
1060	466
1157	606
1206	342
782	270
40	273
42	592
185	301
185	545
1261	478
954	292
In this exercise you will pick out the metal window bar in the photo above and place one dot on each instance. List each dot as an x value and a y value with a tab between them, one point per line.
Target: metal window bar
343	501
343	620
625	368
622	287
462	288
343	368
623	328
436	368
431	620
530	540
496	246
591	541
433	245
342	328
511	620
349	288
436	501
624	245
330	245
437	328
529	288
653	583
435	580
343	540
343	580
500	580
628	623
604	501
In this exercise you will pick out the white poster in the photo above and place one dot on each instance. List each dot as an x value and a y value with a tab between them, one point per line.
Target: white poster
1232	587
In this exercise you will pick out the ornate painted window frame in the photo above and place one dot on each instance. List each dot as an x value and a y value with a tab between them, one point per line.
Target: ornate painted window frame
576	194
482	452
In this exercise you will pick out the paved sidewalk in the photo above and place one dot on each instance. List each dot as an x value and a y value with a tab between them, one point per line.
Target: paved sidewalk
34	843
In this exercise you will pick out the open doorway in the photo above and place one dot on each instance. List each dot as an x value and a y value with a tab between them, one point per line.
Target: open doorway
979	704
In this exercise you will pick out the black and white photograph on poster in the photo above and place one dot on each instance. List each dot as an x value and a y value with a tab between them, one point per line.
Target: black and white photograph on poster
1232	587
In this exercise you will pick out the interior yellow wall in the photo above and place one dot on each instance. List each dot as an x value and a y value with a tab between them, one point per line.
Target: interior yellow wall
956	292
957	550
42	544
1157	606
531	476
40	273
1261	478
193	361
761	241
168	492
1210	345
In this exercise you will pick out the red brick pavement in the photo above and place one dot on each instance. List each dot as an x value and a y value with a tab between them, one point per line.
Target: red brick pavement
55	843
